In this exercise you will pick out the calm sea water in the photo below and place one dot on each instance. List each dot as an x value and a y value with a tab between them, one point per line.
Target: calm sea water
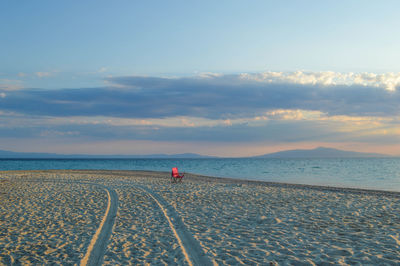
370	173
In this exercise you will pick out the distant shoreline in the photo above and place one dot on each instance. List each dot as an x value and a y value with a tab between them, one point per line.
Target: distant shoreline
218	179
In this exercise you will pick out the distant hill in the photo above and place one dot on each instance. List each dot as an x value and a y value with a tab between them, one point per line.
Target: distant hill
26	155
321	152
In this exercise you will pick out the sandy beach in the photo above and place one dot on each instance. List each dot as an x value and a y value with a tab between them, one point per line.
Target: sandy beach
136	217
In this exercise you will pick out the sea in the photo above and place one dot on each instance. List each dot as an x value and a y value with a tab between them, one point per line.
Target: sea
365	173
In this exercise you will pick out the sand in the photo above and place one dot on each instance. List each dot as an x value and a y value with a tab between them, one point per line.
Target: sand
46	222
72	217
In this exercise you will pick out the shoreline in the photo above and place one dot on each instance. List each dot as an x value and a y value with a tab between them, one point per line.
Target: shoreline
219	179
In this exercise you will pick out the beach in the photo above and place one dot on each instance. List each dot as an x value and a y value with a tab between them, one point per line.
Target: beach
90	217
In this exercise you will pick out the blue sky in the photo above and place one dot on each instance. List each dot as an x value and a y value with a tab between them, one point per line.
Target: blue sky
230	78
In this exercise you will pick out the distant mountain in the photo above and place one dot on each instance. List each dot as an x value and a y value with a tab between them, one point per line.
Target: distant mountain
320	152
30	155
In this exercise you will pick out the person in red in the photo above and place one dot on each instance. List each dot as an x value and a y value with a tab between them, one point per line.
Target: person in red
175	177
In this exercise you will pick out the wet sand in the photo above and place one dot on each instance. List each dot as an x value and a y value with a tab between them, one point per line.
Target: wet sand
51	217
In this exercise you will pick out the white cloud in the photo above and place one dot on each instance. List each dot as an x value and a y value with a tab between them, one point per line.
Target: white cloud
209	75
2	95
43	74
387	81
102	70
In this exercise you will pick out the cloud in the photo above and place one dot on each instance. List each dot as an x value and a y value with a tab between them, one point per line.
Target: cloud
49	133
251	109
277	126
289	131
10	84
43	74
389	81
217	96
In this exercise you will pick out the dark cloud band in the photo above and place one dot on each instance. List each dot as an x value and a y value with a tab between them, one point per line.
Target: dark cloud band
215	97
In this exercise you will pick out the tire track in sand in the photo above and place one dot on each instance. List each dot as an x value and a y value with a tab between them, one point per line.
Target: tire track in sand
191	249
97	247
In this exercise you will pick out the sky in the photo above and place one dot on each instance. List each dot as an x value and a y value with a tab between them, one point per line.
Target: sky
226	78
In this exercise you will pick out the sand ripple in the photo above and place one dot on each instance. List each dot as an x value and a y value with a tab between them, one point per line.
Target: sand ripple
47	223
247	224
234	222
